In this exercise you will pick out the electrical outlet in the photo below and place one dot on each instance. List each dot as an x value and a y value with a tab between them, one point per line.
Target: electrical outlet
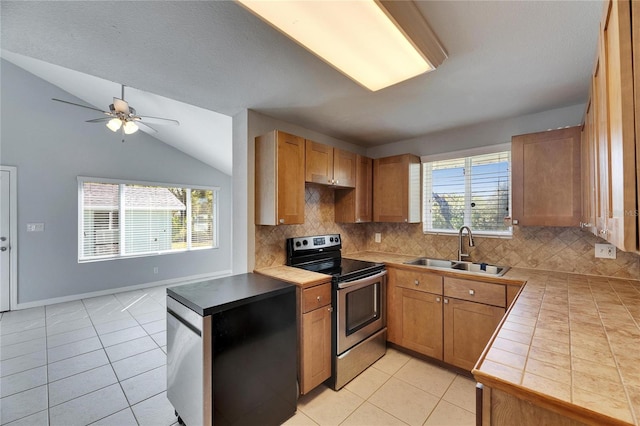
155	269
605	251
377	237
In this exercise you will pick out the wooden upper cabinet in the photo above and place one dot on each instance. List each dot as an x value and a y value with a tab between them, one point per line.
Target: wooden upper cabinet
546	178
344	168
329	166
279	185
610	155
618	136
355	205
589	168
318	163
397	189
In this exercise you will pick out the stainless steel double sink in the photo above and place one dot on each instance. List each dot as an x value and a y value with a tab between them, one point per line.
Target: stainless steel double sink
476	268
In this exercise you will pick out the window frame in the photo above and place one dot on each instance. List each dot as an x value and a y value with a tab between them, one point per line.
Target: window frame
465	155
122	182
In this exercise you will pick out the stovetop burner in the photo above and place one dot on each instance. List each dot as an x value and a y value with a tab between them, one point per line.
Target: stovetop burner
322	254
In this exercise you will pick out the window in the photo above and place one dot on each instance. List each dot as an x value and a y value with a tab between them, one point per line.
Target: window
473	191
124	219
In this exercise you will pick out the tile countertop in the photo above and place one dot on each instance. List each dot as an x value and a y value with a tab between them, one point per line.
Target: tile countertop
571	344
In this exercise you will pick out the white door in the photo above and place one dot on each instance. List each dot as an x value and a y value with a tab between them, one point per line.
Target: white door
6	261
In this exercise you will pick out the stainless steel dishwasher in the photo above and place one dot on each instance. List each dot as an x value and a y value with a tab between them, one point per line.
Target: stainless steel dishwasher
189	363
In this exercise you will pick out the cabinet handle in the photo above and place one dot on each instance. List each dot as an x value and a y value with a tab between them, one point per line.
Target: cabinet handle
416	282
330	309
318	298
437	300
446	301
472	292
281	220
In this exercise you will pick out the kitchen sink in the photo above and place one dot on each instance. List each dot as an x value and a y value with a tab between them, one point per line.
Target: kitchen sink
433	263
476	268
480	268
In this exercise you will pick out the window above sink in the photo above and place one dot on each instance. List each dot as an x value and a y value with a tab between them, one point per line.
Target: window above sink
471	188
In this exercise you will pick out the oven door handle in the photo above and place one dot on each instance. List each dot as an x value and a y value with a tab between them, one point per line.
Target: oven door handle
362	281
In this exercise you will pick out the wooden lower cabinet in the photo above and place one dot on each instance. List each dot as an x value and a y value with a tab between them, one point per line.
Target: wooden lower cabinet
420	321
423	317
314	305
468	326
496	408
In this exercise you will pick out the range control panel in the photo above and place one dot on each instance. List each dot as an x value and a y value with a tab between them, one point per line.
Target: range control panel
316	242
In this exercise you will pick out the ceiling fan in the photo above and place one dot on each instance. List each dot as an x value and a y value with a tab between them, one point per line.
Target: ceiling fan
123	117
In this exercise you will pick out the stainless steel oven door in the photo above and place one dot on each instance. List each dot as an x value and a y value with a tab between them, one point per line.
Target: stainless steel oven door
361	309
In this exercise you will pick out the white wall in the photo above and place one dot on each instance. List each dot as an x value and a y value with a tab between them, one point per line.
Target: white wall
51	145
483	134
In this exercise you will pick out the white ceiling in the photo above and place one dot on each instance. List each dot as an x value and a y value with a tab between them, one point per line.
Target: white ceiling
506	58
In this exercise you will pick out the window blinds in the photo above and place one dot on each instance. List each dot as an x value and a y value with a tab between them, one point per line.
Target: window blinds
473	191
127	219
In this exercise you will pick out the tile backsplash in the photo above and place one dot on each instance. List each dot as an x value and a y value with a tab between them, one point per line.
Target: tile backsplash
549	248
318	220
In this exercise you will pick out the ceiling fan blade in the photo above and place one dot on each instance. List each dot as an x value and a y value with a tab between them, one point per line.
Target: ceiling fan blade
79	105
99	120
121	106
145	126
157	120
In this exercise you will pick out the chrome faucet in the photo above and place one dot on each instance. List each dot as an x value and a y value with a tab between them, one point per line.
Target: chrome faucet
460	253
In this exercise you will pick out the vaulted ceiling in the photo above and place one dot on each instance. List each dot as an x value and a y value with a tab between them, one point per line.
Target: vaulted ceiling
506	58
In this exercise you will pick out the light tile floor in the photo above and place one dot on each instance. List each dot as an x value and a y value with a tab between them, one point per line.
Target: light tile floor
102	361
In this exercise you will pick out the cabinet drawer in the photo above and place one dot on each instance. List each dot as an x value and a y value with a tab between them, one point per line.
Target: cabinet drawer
420	281
316	297
475	291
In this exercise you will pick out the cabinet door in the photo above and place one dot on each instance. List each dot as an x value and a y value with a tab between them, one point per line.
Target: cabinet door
589	170
616	55
279	179
468	326
364	189
396	189
420	324
546	178
344	168
355	205
319	163
315	362
290	178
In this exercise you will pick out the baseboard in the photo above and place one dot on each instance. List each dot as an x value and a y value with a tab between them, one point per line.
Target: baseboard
172	281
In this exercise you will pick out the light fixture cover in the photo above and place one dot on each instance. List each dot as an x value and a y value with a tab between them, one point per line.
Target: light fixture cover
130	127
114	124
362	39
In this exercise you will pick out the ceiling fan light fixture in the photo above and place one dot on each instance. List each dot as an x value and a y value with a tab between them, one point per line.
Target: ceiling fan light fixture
377	43
114	124
130	127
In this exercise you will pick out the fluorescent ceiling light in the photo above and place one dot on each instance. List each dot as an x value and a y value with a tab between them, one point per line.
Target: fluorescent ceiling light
376	43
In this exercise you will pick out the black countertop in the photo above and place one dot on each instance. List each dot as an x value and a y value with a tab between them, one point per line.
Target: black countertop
221	294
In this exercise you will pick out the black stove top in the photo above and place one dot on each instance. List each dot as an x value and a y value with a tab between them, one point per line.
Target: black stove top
322	254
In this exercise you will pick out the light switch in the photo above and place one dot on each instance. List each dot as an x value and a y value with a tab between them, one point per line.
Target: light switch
35	227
